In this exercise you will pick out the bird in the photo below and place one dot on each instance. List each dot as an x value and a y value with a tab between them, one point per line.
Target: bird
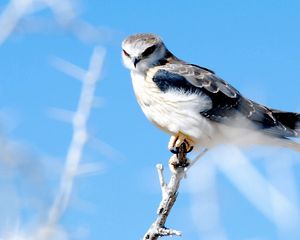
195	106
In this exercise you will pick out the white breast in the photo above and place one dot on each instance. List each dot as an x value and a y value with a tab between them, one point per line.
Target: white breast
173	111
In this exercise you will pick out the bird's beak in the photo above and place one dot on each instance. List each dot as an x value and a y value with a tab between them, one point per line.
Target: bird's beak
136	60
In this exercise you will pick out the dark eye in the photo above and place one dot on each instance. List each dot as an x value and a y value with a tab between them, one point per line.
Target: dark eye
126	53
148	51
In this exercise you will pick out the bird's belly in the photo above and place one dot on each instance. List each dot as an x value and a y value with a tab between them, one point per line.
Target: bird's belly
174	117
174	111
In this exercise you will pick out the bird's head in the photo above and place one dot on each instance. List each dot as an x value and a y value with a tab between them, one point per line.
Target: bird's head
142	51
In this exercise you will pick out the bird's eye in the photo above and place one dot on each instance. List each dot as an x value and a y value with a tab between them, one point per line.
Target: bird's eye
148	51
126	53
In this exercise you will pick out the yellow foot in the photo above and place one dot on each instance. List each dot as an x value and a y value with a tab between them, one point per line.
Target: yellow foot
177	140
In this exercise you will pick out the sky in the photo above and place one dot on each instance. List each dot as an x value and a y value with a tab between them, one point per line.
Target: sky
234	194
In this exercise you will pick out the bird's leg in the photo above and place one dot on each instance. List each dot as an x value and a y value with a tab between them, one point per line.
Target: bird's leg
177	140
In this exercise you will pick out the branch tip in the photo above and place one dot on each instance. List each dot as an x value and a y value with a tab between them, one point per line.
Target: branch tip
159	167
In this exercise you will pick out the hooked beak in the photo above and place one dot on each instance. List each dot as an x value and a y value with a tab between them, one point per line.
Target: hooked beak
136	60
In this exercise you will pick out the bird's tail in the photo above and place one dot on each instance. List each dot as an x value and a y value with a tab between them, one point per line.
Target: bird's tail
290	121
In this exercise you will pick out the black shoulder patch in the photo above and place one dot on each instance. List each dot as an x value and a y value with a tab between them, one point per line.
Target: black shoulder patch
166	81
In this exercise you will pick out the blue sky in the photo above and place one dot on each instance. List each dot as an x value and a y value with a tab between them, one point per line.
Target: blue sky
254	45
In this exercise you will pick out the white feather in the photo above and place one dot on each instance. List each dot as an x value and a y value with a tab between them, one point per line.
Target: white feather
173	111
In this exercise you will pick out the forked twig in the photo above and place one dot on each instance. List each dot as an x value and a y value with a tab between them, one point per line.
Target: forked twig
179	164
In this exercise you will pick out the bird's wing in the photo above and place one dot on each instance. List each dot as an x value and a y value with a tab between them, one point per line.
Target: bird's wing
227	102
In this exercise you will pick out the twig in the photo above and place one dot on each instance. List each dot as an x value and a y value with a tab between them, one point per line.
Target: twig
179	164
197	158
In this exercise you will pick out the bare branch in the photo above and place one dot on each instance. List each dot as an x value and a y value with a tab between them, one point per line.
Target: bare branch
179	164
160	171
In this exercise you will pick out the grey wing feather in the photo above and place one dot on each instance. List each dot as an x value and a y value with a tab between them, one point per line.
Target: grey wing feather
203	78
227	102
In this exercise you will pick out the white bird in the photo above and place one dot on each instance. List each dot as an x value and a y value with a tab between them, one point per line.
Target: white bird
195	106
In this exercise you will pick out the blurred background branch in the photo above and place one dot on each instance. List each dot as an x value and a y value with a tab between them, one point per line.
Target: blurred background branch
16	17
79	138
17	155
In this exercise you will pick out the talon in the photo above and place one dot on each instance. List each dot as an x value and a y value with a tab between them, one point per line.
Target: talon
191	149
174	150
177	140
